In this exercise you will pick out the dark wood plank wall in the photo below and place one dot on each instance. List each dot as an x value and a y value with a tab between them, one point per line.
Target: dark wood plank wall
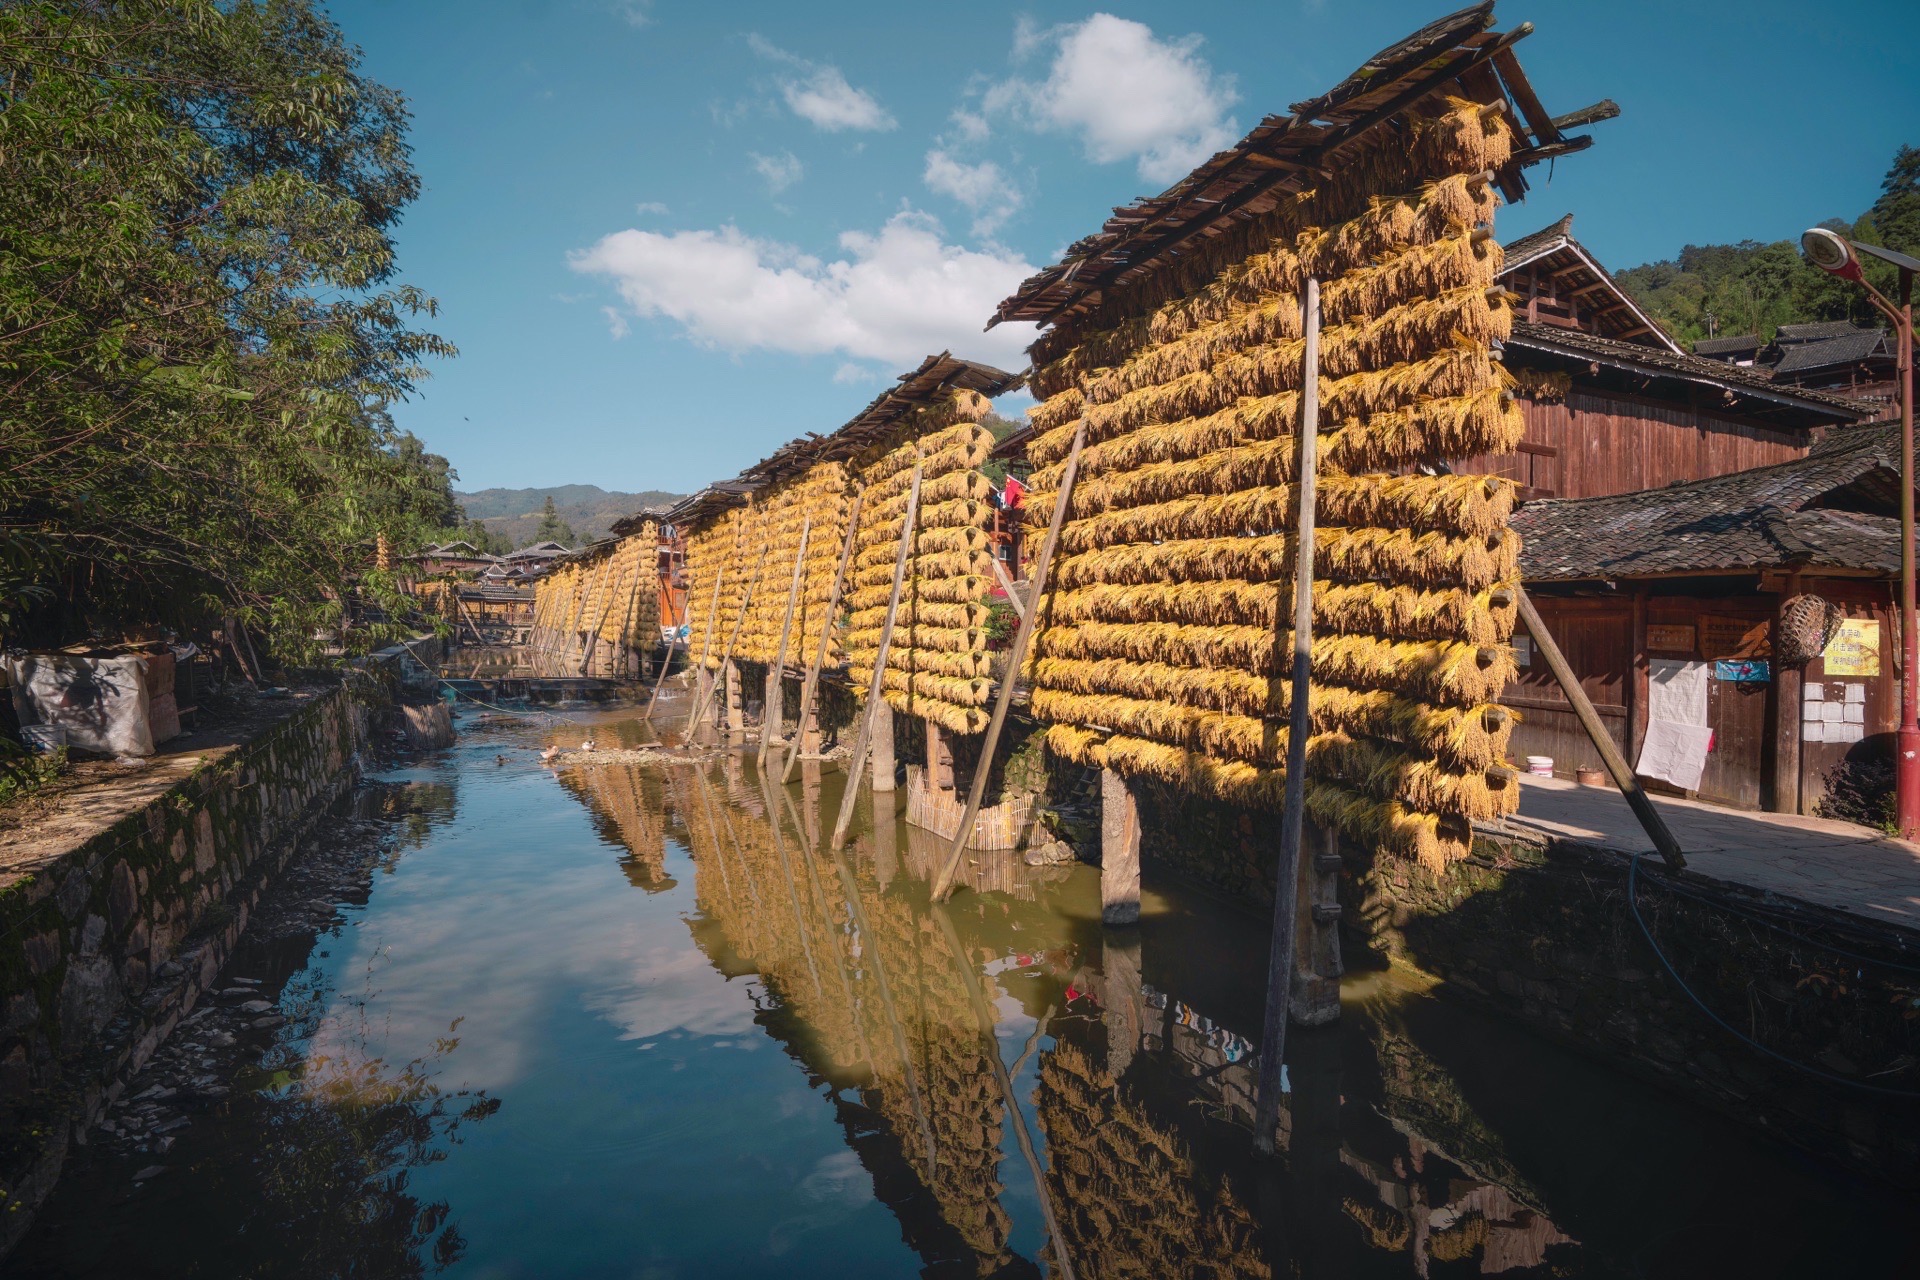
1596	443
1597	636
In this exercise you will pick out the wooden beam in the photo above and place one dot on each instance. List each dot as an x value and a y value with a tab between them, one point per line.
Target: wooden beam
1524	97
779	674
1789	685
812	683
875	702
1280	956
1650	819
1022	640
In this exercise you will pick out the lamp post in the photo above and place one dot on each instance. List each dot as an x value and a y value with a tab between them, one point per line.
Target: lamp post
1836	255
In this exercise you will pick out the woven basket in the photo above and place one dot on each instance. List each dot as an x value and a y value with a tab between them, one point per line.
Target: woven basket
1807	623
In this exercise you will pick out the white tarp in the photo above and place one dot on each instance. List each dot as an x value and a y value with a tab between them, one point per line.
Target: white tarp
1678	738
102	703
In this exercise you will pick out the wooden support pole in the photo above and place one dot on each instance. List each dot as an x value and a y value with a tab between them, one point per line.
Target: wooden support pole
1022	640
1119	851
880	755
812	683
1286	880
1650	820
706	645
770	712
876	705
1639	678
939	758
735	700
666	664
1789	692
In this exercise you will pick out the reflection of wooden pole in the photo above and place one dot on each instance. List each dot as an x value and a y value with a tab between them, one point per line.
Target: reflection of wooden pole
706	645
812	683
817	894
1022	639
660	677
776	683
1650	819
1280	958
984	1017
876	705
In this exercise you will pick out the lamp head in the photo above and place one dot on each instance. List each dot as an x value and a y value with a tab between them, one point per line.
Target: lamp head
1831	253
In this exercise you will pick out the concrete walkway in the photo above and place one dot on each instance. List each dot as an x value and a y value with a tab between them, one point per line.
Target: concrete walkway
1816	860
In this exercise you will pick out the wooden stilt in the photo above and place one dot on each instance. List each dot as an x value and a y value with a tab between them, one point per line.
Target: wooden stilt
770	713
1280	958
1650	819
812	684
706	646
1119	851
880	752
1022	639
876	705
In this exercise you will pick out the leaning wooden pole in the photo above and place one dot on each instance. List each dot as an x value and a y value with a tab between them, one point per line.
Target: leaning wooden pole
1280	960
666	663
1650	819
812	683
1022	641
706	645
876	705
775	687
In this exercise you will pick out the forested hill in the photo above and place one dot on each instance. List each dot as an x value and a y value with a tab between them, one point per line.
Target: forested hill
588	510
1755	286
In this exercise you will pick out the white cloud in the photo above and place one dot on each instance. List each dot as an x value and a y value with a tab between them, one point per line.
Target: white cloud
780	171
982	187
819	93
1125	93
616	323
850	374
893	296
972	126
638	13
650	206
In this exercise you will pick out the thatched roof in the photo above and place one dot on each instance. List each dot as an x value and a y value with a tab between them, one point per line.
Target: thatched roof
937	377
1836	509
1459	54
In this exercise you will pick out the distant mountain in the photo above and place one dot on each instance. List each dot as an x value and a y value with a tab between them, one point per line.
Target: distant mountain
589	509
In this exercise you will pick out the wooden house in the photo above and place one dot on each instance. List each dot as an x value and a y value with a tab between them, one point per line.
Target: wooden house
1613	404
1697	576
1839	357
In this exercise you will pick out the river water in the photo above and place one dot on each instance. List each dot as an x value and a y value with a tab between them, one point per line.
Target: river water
632	1021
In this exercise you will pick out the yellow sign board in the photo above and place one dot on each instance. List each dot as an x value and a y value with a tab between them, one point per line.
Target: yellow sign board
1854	649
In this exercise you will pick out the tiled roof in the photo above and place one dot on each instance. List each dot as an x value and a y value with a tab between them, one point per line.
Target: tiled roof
1555	248
1826	353
1657	363
1770	517
1727	346
1814	331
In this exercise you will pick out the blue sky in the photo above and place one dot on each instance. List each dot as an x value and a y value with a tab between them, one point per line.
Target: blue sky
668	237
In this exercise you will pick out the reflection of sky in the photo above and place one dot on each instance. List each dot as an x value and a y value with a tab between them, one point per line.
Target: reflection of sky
645	1128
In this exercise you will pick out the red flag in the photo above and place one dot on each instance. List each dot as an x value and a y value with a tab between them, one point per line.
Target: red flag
1012	493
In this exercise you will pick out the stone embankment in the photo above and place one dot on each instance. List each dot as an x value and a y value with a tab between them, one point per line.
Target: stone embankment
117	913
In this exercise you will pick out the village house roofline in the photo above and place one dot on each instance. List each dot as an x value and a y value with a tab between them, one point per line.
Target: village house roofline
1827	353
1457	55
1556	240
1728	346
1651	362
1825	511
1813	331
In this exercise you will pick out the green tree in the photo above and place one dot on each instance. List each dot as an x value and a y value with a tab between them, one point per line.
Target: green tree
552	527
201	333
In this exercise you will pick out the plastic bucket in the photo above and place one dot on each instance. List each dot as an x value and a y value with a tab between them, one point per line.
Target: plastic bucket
1540	766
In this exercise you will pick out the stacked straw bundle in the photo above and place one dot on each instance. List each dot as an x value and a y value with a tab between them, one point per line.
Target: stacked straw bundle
1165	645
938	667
629	610
723	547
819	494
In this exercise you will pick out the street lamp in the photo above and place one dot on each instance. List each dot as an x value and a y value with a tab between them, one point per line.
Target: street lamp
1836	255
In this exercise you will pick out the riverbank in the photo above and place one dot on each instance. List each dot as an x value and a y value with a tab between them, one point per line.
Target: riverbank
123	898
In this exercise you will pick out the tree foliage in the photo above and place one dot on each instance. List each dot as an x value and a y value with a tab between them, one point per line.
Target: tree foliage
201	332
1754	287
552	527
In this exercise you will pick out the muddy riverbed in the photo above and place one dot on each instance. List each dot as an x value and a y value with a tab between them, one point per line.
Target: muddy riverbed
627	1018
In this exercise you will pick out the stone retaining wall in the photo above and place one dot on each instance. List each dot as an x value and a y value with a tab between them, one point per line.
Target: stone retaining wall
105	946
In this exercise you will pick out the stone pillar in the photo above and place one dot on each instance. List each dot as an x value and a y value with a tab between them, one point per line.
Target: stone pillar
882	749
1119	851
1123	1000
772	708
736	702
939	759
1316	931
886	857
